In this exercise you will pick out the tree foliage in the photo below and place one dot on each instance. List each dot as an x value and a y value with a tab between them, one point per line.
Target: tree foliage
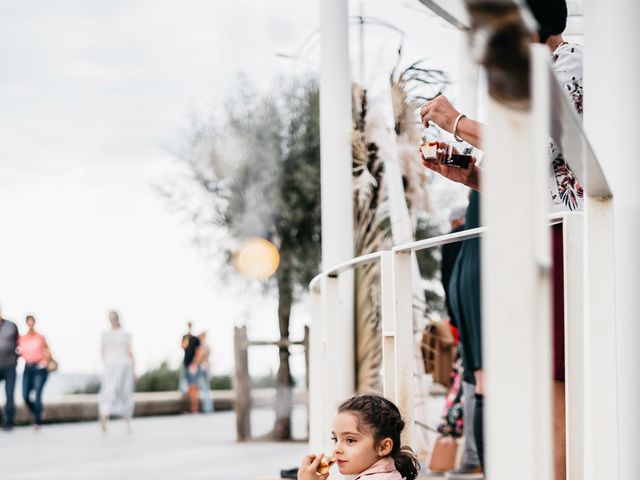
255	172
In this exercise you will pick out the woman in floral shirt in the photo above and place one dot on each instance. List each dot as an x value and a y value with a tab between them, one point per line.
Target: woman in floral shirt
565	194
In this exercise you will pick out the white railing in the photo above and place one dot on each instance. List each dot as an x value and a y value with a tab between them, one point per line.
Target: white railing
516	295
397	334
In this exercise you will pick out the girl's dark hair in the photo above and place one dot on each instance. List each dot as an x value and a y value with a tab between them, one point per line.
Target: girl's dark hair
380	416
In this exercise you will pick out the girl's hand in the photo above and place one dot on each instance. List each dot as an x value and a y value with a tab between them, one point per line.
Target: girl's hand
308	469
469	176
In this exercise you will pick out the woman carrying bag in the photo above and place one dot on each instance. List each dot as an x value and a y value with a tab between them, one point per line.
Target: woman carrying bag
34	349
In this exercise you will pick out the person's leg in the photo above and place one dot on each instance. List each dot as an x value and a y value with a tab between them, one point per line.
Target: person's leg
40	378
470	454
106	396
9	389
2	413
193	393
205	391
478	427
27	387
559	432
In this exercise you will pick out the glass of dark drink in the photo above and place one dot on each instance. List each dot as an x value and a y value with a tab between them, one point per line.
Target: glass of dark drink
441	152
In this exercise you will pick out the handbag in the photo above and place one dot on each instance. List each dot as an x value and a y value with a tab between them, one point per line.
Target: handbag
52	365
438	351
443	455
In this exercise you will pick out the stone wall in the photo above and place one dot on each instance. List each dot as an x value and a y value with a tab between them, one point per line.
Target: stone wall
81	408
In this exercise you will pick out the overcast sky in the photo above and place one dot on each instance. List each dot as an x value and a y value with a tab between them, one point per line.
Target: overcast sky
93	97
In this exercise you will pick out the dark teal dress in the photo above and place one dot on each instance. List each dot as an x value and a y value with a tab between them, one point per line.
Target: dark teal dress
465	294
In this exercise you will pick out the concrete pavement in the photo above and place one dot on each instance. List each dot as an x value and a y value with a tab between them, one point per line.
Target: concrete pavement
182	447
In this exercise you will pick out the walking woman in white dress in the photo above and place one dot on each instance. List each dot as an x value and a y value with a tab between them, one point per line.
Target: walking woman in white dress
116	390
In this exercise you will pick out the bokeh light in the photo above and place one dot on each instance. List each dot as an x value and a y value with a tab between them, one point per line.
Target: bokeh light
257	258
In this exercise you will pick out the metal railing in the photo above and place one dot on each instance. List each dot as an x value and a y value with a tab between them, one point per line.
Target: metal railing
397	336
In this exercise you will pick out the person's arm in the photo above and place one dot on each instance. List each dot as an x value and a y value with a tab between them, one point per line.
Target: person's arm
443	114
133	363
46	353
199	355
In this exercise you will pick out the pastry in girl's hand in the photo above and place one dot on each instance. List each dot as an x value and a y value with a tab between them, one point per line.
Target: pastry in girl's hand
325	464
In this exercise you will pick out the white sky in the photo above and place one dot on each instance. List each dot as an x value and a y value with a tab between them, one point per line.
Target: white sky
93	95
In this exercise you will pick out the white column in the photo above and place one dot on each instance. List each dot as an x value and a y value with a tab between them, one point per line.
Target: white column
317	428
337	212
516	309
573	262
404	342
335	134
333	371
469	72
388	317
601	407
612	122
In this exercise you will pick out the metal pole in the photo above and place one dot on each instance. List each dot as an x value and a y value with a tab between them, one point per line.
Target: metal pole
337	212
612	120
516	309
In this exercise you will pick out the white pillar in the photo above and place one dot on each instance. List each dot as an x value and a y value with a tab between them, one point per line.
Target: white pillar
317	427
601	407
388	320
337	212
516	308
573	262
469	72
404	343
612	122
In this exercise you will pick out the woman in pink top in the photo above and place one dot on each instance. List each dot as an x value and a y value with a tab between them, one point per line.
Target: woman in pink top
366	434
35	351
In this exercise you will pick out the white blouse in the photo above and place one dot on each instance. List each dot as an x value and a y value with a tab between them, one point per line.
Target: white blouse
115	347
566	191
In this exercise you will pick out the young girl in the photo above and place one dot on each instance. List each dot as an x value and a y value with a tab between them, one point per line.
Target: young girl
366	434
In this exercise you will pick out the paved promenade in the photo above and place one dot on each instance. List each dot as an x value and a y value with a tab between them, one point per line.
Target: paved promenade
183	447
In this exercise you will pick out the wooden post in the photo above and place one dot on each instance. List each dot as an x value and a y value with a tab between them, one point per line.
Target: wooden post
242	385
305	345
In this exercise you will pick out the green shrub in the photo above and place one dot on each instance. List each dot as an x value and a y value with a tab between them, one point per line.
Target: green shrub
93	386
221	382
161	379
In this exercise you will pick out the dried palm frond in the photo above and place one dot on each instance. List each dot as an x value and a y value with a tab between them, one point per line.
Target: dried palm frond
371	233
410	88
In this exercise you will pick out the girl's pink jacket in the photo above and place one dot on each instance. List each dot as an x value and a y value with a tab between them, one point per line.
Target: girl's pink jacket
383	469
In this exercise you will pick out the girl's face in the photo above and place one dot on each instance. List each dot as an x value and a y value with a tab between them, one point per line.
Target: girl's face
355	451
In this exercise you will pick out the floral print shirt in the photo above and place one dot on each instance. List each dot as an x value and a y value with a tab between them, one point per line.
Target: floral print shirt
566	191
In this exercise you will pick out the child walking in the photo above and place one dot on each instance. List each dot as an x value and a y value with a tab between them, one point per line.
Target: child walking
366	435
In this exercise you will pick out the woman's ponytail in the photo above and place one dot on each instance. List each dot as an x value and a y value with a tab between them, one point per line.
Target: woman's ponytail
407	463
